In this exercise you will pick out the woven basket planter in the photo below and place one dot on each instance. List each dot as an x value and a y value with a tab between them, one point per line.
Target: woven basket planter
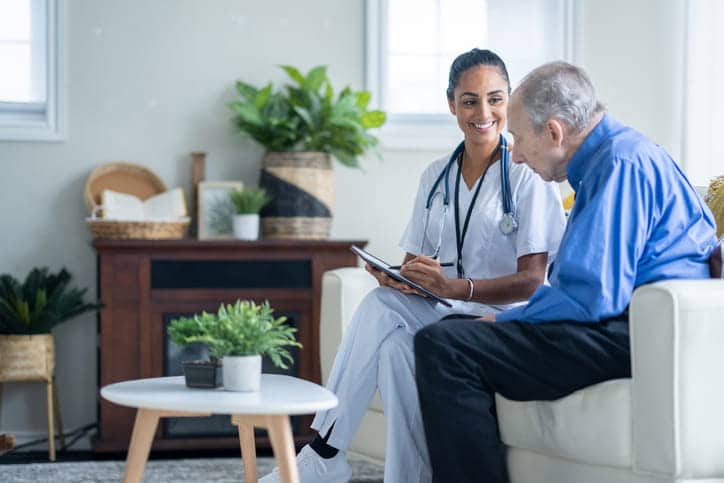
27	357
137	230
301	185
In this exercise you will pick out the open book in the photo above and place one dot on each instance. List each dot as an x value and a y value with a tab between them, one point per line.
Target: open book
167	206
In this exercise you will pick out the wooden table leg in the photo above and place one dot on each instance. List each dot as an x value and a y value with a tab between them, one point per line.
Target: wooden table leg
280	433
143	430
248	446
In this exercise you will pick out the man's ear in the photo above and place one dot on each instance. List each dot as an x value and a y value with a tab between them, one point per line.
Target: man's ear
555	131
451	105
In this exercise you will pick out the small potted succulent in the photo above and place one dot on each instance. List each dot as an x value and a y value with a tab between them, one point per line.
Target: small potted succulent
247	205
238	335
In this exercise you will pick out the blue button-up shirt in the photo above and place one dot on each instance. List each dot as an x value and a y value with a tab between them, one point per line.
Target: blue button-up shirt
636	220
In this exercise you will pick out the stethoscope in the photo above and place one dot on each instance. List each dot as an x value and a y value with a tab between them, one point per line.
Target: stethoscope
508	224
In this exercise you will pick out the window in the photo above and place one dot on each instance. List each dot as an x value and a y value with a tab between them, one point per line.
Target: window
704	104
411	44
30	60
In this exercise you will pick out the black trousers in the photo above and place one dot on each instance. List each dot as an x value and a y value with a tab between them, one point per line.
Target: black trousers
461	363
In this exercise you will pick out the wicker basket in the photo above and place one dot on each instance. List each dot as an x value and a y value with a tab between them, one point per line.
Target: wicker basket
124	177
135	180
27	357
143	230
301	186
296	228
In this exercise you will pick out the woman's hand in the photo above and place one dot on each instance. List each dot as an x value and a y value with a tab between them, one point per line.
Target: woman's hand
427	272
386	281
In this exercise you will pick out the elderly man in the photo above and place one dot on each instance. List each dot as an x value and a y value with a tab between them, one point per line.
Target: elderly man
636	220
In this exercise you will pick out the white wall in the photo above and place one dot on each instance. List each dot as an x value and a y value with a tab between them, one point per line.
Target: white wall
148	83
634	52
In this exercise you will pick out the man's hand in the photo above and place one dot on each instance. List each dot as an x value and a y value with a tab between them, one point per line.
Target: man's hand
487	318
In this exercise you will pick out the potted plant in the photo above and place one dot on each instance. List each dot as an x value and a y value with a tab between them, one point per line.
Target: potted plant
247	204
29	311
301	125
239	334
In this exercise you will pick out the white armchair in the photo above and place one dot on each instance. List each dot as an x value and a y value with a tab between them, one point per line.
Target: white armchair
666	424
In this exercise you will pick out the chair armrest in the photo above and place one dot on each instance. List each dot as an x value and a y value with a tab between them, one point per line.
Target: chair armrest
677	356
342	291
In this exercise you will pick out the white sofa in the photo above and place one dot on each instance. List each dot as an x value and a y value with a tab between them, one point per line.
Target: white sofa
666	424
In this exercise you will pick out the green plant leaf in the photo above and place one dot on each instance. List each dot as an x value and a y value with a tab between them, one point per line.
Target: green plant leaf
242	328
262	97
304	114
363	99
249	201
294	73
245	90
315	78
372	119
247	113
328	93
41	302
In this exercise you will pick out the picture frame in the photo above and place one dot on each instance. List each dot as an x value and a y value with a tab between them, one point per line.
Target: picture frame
215	209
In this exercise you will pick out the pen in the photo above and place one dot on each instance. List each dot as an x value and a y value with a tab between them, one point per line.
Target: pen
397	267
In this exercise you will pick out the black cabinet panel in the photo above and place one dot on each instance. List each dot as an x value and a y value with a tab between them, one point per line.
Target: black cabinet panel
179	274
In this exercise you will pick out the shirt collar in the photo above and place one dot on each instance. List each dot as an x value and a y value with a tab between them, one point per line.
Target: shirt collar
584	155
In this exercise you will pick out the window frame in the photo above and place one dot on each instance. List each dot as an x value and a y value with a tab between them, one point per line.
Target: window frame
700	76
38	121
434	131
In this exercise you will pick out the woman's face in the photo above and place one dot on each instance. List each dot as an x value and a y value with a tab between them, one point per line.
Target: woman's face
480	103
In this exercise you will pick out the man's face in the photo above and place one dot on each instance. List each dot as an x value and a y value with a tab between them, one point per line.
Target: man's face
540	151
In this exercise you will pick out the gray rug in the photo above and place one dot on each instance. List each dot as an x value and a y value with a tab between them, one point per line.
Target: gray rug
217	470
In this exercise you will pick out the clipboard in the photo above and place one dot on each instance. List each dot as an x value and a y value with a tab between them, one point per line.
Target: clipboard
383	266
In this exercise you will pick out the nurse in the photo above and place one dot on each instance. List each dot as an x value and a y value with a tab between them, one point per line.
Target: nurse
482	234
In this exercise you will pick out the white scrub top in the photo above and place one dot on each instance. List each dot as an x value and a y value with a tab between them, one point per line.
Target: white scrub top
487	252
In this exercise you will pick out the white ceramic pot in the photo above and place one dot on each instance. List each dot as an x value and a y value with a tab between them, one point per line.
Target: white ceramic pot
246	227
242	373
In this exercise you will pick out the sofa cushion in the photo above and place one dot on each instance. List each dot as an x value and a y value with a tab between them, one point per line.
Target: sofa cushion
592	425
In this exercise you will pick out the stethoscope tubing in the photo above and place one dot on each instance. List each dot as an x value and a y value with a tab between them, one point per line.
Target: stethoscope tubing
505	191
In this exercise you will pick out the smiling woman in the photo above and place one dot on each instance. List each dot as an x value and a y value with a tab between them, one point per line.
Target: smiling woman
31	63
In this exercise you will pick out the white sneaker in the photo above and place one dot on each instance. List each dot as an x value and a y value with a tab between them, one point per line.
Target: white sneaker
315	469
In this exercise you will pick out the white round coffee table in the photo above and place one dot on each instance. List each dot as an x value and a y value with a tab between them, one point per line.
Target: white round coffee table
270	408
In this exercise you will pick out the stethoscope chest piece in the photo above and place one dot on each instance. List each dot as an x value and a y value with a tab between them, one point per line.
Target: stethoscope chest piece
508	225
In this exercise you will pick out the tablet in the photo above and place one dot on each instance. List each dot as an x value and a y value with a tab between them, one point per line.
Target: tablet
383	266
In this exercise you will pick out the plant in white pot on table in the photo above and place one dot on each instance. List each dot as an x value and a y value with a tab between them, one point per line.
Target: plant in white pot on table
238	335
247	205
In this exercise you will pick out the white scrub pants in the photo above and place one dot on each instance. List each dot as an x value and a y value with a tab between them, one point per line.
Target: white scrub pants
377	352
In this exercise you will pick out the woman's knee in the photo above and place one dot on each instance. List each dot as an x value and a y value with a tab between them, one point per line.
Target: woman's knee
396	346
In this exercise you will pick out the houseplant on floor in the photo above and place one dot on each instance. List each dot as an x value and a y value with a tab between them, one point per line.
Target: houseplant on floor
247	204
28	313
301	125
239	334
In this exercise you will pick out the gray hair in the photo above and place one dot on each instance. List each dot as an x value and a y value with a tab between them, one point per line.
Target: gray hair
562	91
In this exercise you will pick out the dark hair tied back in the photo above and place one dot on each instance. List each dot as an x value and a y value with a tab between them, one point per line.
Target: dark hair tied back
474	58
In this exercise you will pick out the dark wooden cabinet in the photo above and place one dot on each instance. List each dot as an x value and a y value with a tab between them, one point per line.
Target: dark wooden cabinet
143	284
